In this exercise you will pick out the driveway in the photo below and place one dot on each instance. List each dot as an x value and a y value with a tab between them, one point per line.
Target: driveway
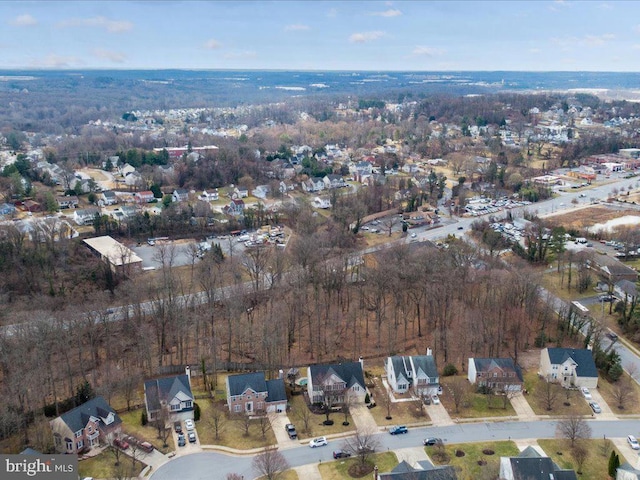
439	415
412	455
363	419
278	421
522	407
308	472
607	413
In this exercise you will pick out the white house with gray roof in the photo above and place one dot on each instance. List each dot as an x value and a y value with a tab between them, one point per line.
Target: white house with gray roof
342	379
417	373
571	367
172	393
81	429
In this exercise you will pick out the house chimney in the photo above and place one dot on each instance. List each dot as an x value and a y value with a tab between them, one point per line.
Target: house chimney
429	352
375	472
187	371
361	360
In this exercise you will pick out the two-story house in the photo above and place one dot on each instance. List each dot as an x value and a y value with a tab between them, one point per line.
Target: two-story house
571	367
180	195
109	197
85	216
530	465
334	181
172	393
501	374
235	208
417	372
81	429
338	380
251	393
146	196
315	184
209	196
70	201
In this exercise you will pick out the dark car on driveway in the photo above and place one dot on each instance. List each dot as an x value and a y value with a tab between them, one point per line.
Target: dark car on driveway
181	441
398	429
192	437
291	430
341	454
177	426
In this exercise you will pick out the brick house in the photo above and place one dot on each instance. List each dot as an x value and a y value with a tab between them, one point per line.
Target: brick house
501	374
251	393
82	428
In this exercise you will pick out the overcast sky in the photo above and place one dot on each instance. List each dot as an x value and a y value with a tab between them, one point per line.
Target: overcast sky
322	35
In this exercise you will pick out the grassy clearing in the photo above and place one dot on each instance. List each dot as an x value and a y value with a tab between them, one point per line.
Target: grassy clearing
339	469
316	428
607	390
595	466
534	385
102	466
131	426
476	405
468	467
551	280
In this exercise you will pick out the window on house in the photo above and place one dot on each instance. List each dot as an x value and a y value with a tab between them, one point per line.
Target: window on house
69	445
175	407
495	374
260	405
78	434
188	404
80	444
237	408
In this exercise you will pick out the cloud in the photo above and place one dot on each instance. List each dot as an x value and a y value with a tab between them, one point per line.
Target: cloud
332	13
115	57
57	61
636	46
297	27
364	37
596	40
567	43
427	51
606	6
212	44
387	13
112	26
25	20
535	50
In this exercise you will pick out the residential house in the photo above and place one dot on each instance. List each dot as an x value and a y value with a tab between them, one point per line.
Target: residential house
364	168
334	181
612	270
180	195
571	367
85	216
322	203
315	184
145	196
172	393
70	201
501	374
126	169
82	428
133	179
251	392
530	465
338	380
109	197
417	373
240	192
261	191
424	470
210	196
235	208
626	290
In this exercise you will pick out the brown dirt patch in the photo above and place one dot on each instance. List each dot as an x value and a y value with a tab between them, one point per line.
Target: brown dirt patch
586	217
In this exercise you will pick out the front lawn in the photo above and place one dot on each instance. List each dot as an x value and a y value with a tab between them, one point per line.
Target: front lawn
473	405
103	466
594	467
540	399
625	388
552	281
339	469
478	460
131	425
316	427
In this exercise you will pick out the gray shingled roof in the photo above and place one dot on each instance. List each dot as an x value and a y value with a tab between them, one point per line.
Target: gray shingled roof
275	390
426	363
486	364
404	471
349	372
165	389
583	357
399	367
238	384
78	418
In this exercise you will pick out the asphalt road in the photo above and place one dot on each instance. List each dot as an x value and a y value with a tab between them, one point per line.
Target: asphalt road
199	466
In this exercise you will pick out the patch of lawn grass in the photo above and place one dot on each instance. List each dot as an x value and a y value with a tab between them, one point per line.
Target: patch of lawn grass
477	405
608	392
103	466
131	425
339	469
316	428
552	281
595	466
467	466
577	403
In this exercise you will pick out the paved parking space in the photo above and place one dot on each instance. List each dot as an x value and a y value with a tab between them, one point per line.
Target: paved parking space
188	447
522	407
439	415
308	472
278	421
363	419
629	454
607	413
412	455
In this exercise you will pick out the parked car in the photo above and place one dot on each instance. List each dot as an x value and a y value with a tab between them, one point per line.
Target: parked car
189	425
117	442
318	442
607	298
146	446
341	454
633	442
181	440
595	407
177	426
612	336
435	399
413	235
291	430
192	437
587	394
460	228
398	429
431	441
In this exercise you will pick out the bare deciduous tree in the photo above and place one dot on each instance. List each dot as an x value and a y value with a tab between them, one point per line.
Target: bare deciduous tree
623	392
361	445
548	394
459	390
580	453
217	420
270	464
573	428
